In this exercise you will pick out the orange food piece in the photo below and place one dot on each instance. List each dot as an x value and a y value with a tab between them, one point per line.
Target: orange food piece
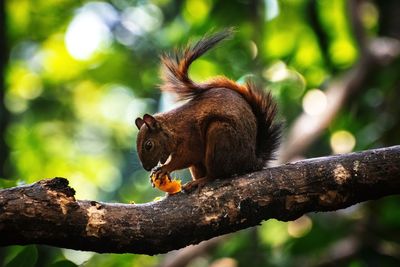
164	184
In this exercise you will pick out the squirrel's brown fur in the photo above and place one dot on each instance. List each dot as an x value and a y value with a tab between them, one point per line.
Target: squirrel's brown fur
225	128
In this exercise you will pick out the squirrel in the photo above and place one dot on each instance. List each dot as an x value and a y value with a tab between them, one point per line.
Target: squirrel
224	129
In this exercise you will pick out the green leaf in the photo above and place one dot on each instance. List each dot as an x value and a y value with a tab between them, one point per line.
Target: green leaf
6	183
26	257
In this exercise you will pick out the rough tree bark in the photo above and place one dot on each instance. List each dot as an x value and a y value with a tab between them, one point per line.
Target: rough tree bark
46	212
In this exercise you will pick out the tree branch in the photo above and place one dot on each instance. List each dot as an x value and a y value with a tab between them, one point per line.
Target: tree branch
46	212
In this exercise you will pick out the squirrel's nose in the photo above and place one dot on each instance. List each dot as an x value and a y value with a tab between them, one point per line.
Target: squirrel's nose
147	167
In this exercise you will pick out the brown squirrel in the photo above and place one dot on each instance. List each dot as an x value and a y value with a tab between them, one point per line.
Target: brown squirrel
225	128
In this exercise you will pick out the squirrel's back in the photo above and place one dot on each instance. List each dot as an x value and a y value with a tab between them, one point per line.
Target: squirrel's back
176	79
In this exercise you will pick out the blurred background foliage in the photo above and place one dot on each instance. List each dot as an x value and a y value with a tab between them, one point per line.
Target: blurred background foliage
75	75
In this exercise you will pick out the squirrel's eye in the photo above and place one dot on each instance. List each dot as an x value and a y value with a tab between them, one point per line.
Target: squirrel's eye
148	145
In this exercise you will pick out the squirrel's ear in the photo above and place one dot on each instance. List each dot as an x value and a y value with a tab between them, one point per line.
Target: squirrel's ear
139	122
151	122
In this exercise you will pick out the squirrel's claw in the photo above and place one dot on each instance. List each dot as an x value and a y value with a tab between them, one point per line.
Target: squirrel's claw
151	181
158	173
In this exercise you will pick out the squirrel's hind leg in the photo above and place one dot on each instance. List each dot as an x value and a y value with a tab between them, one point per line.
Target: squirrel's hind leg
228	151
198	183
197	171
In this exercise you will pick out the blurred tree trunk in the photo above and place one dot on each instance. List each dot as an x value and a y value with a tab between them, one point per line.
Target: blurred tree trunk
4	115
389	19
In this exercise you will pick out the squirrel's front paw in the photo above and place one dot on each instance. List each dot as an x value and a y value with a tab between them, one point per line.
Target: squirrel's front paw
158	173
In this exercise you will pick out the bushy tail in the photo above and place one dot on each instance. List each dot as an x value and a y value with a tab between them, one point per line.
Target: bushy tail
265	109
176	79
175	66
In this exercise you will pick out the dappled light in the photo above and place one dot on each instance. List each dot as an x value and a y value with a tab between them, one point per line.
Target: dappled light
342	142
196	11
300	227
88	33
314	102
